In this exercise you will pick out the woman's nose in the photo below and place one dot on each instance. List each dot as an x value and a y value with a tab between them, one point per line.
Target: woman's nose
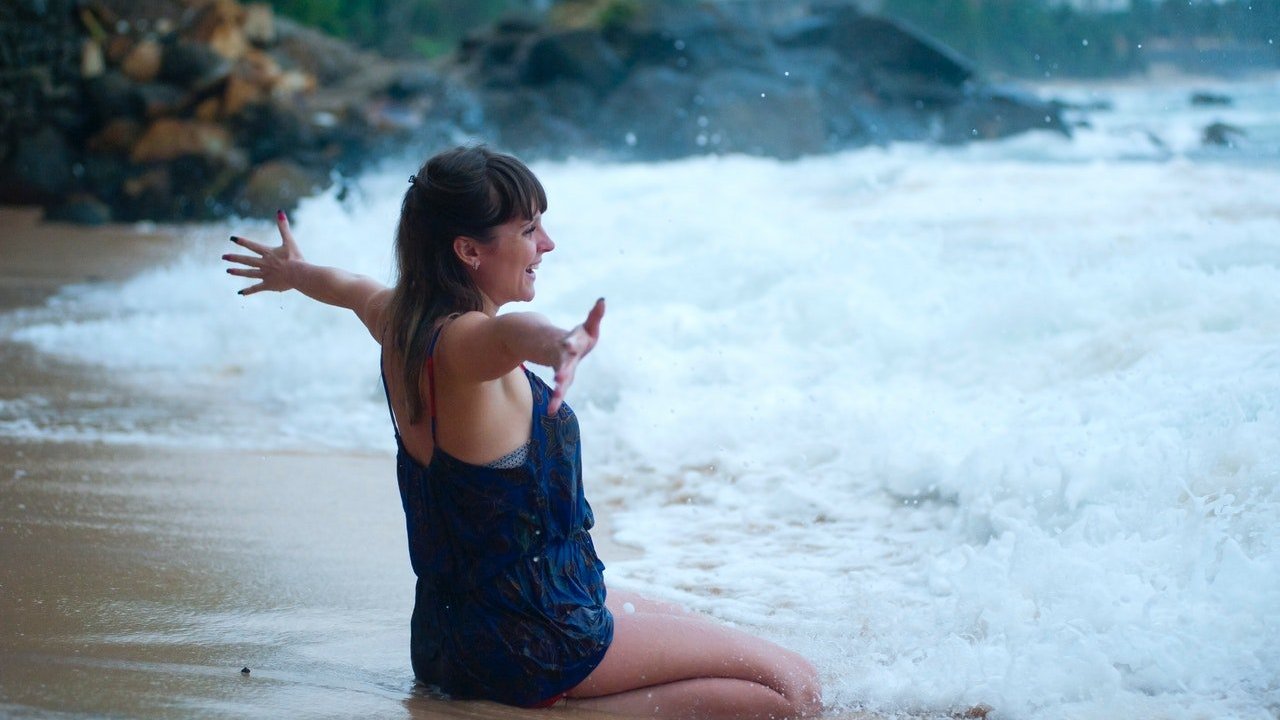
547	243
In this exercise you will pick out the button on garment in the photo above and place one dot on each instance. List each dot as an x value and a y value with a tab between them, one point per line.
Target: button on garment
510	594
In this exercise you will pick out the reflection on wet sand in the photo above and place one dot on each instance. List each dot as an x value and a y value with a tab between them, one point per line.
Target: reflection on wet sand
138	581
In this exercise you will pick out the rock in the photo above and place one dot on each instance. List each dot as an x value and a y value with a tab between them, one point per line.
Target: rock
92	62
105	174
168	139
142	64
148	195
160	99
259	68
278	184
260	24
118	48
240	92
649	115
118	136
582	56
529	126
1209	99
38	170
988	114
1222	134
679	79
271	130
291	83
80	208
328	59
208	110
881	43
746	113
219	26
111	95
192	65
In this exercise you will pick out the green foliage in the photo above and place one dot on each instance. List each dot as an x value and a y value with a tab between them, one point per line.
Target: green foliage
618	14
397	27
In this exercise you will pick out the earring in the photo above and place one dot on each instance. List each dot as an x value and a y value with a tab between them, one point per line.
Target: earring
475	265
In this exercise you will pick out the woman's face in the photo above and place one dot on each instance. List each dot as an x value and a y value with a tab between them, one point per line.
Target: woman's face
508	264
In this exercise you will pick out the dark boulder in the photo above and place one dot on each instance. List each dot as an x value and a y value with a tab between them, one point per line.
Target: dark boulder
1220	134
278	184
990	114
671	80
745	112
580	56
110	96
1210	99
651	115
193	65
38	169
80	208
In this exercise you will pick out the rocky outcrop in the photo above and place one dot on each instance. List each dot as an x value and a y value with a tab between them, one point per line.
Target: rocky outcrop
673	81
193	109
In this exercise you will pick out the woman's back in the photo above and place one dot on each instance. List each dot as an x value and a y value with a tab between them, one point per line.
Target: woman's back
510	596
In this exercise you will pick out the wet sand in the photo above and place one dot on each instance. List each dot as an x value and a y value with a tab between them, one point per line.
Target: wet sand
138	580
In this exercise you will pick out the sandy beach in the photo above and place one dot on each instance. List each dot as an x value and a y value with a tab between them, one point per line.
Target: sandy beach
138	581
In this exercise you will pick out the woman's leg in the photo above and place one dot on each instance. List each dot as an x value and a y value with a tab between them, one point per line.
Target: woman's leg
667	662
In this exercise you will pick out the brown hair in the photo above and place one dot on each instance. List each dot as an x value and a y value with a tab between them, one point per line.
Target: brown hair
466	191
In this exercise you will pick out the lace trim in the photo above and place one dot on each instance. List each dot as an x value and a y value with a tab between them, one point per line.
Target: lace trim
513	459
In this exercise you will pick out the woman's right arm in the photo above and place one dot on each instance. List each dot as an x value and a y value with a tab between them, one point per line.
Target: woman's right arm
283	268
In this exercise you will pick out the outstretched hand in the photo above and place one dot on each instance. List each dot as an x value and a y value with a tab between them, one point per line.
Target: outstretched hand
573	348
270	267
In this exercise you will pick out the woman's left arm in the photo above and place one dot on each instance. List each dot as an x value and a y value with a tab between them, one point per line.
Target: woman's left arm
283	268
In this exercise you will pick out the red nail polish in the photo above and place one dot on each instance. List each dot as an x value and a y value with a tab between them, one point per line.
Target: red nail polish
280	215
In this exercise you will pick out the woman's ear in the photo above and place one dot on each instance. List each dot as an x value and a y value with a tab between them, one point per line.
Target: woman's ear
467	250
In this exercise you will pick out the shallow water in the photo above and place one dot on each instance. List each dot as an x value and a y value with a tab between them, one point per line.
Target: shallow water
994	424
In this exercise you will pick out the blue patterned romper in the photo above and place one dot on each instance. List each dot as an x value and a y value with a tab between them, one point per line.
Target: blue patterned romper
510	595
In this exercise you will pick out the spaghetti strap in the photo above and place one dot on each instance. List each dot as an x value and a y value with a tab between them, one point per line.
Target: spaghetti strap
431	376
390	410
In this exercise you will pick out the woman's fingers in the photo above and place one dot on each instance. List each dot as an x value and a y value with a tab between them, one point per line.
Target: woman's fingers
286	233
253	289
245	272
248	244
573	348
249	260
592	325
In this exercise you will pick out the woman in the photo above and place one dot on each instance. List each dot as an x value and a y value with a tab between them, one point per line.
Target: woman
511	602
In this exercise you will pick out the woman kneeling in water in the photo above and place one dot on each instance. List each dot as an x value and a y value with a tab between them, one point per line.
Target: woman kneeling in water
511	603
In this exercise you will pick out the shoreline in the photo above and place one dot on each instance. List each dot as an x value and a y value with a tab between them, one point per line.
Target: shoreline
139	578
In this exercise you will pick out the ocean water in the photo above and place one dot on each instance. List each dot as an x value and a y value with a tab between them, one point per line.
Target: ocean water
997	424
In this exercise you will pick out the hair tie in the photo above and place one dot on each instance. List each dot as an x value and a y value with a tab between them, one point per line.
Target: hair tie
413	179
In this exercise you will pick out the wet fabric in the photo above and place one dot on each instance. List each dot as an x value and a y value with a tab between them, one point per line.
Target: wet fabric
510	593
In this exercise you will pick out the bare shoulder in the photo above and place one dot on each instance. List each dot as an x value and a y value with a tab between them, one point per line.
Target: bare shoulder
471	348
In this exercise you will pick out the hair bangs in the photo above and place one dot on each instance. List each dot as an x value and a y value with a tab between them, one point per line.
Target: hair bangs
516	191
